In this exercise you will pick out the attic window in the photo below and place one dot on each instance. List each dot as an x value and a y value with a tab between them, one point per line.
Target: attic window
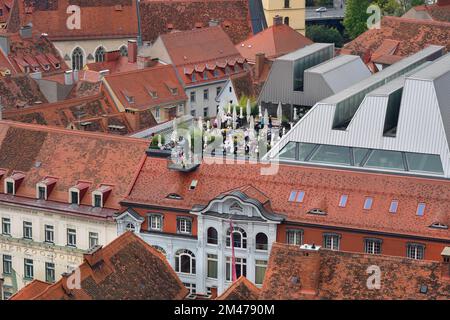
317	211
100	196
393	207
343	201
74	197
174	196
420	209
438	225
10	188
296	196
368	203
44	188
193	185
423	289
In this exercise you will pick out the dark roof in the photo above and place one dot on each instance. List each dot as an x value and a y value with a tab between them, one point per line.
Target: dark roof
241	289
126	269
19	91
239	18
295	273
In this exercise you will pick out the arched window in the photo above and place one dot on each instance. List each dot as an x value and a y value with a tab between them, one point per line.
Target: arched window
77	59
130	227
286	21
239	238
185	261
212	236
261	241
100	54
123	51
160	249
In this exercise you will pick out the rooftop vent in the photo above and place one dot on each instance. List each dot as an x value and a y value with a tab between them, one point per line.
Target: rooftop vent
26	32
423	289
174	196
310	247
193	185
317	211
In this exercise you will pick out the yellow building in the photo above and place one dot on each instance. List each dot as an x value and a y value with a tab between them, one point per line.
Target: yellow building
292	11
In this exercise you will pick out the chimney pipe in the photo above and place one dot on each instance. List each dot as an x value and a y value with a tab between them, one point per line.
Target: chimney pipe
26	32
132	51
277	20
68	77
259	64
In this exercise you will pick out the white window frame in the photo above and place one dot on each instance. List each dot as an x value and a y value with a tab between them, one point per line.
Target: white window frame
97	193
27	226
297	236
211	257
415	251
7	181
371	246
50	266
71	232
92	235
260	263
332	241
242	262
158	226
184	225
28	268
38	186
6	221
242	232
49	231
75	190
192	261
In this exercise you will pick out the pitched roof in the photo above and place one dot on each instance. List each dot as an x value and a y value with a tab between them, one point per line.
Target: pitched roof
412	35
99	19
87	112
36	53
436	12
70	157
134	88
294	273
323	187
235	16
275	41
241	289
126	269
19	91
188	48
33	289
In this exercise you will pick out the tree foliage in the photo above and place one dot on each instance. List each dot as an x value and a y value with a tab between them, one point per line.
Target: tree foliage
318	33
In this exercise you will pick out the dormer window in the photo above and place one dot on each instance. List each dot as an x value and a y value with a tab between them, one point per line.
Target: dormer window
317	211
13	182
77	192
74	197
44	188
174	196
439	225
100	196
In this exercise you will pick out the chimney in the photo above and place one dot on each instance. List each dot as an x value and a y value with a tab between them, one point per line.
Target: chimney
133	118
75	76
310	272
64	282
277	20
213	293
259	64
132	51
446	263
213	23
68	77
26	32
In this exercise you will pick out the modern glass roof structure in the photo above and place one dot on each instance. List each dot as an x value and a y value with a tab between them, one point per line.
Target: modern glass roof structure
397	120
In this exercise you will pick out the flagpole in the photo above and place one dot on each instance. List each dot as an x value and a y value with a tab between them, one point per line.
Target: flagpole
233	260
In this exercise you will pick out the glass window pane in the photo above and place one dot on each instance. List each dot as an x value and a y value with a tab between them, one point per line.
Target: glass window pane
421	209
386	159
288	152
424	162
300	196
368	203
393	207
359	154
332	154
304	150
292	196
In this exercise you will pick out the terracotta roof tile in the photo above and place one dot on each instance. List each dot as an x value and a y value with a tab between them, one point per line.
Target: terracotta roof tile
413	35
100	19
69	156
273	42
157	15
19	91
322	187
241	289
35	288
126	269
295	273
134	85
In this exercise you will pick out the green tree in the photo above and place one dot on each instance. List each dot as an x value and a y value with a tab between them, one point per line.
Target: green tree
318	33
355	20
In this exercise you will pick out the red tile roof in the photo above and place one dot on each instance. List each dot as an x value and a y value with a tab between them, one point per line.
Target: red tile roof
19	91
294	273
88	113
241	289
99	19
412	36
274	42
436	12
70	157
126	269
35	288
187	53
136	85
33	54
323	188
160	16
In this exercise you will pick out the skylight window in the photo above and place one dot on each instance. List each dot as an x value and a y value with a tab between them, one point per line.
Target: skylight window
393	207
292	196
438	225
421	209
368	203
174	196
193	185
300	196
343	201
